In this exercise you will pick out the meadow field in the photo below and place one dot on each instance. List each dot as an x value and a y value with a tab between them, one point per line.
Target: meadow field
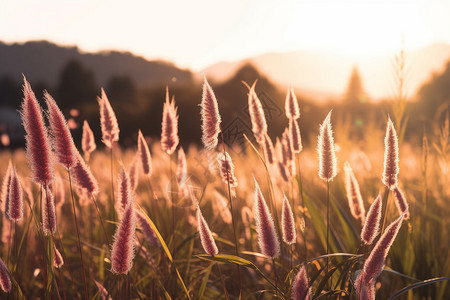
163	222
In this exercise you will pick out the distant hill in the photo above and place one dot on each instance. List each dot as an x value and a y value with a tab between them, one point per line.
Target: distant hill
326	74
42	61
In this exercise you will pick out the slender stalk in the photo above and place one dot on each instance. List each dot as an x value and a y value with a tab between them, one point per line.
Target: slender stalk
386	207
276	276
300	185
328	224
112	184
100	216
223	282
78	235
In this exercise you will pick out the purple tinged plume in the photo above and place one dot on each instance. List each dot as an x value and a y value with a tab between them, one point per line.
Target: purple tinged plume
147	230
291	105
259	124
300	286
144	154
287	222
58	260
169	125
108	121
401	203
5	186
61	138
124	192
134	173
265	227
37	143
208	243
5	280
14	208
371	227
269	151
391	169
294	134
122	251
325	148
48	213
354	197
210	117
226	169
83	177
374	264
87	140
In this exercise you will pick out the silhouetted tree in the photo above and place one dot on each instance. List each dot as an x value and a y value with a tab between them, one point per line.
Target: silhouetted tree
355	91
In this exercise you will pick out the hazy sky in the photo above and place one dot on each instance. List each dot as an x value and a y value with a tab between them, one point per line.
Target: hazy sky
196	33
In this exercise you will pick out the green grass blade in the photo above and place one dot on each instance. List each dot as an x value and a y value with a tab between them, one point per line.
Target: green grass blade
417	285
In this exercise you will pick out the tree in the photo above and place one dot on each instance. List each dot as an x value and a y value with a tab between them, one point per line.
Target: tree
355	91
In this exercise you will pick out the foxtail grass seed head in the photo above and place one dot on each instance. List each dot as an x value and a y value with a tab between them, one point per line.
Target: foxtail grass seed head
255	108
124	192
267	236
122	251
146	228
208	243
288	150
287	222
5	186
210	117
284	172
14	210
133	171
83	177
37	143
58	260
102	291
325	147
48	212
87	140
391	169
226	169
269	151
61	138
5	280
374	264
371	227
181	167
169	125
294	134
300	286
144	154
291	105
108	121
401	203
355	201
365	291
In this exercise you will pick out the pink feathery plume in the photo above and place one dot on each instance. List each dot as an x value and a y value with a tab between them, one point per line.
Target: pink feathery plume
108	121
147	230
61	138
5	280
371	227
374	264
210	117
259	124
14	209
5	186
144	154
286	146
124	192
102	291
37	143
181	167
287	222
401	203
87	140
291	105
284	172
391	168
269	151
265	227
300	286
83	177
169	131
354	197
133	171
48	213
325	148
122	251
208	243
294	134
58	260
226	169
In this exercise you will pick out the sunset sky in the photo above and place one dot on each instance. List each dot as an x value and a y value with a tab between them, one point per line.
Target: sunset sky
197	33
